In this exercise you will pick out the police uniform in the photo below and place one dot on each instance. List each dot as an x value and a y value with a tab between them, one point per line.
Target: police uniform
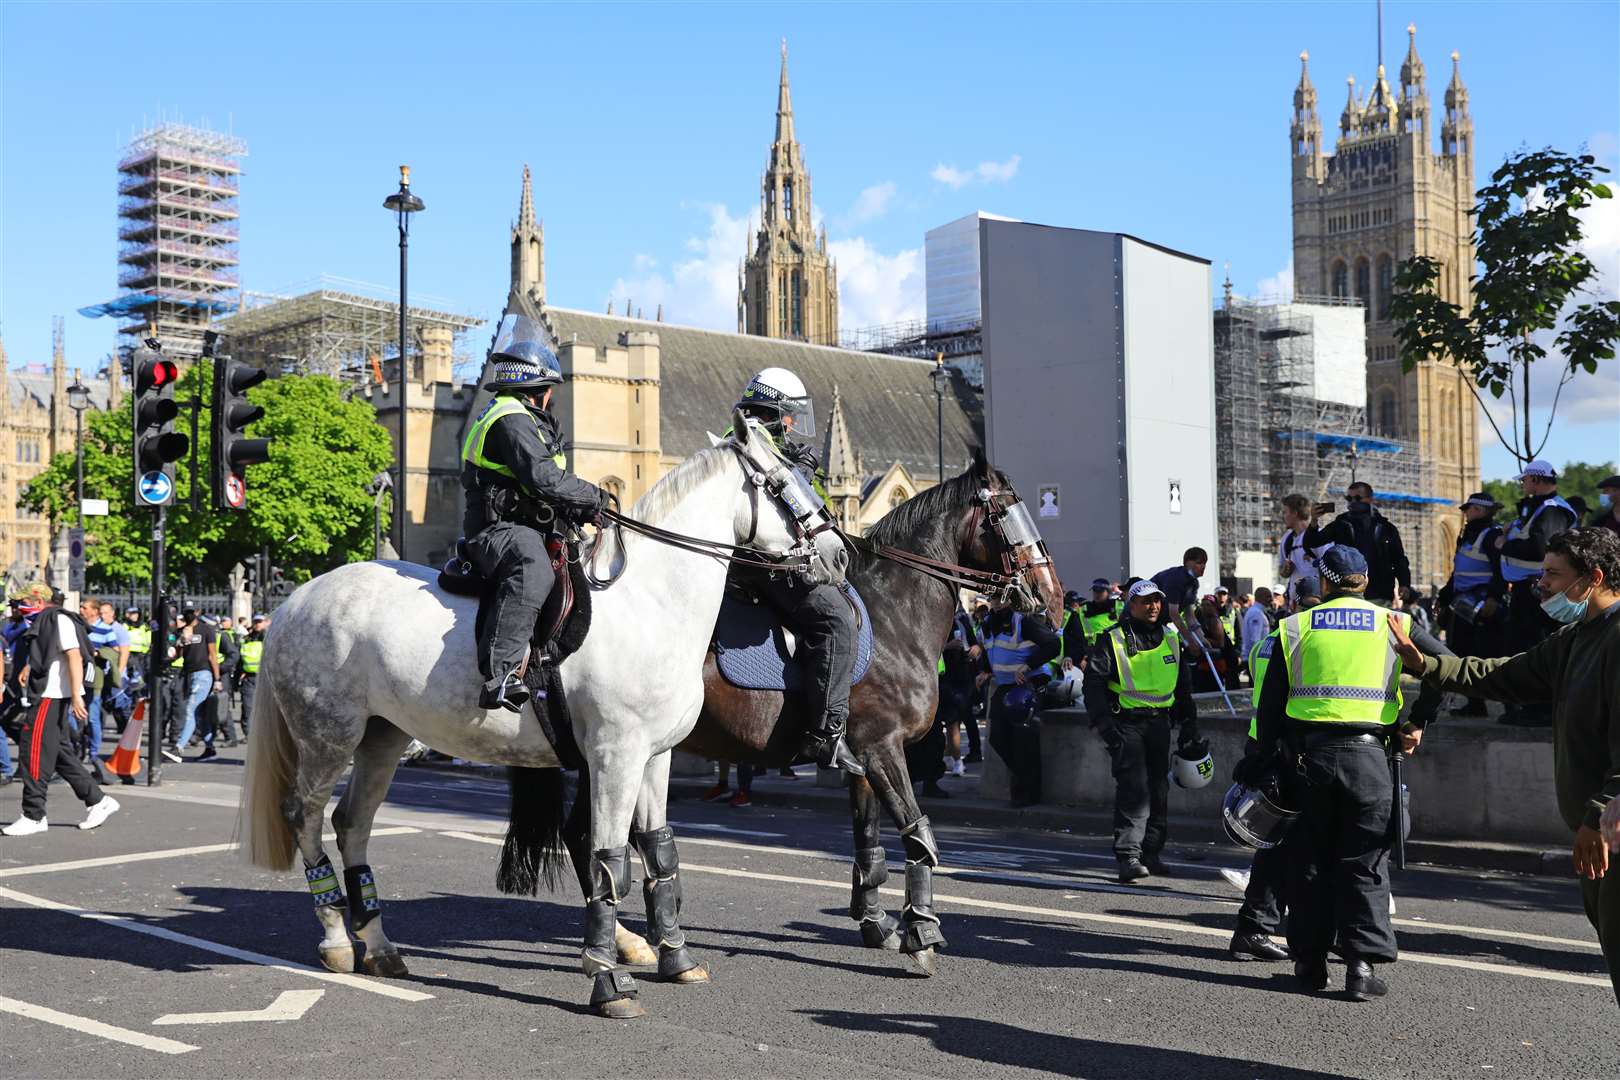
248	675
1332	696
1135	689
1524	546
1017	645
1262	910
1475	599
513	472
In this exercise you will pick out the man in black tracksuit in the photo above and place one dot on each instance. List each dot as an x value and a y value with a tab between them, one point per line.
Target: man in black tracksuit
1372	534
516	485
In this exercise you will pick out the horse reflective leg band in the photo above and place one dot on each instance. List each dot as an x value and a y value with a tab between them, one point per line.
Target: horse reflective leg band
878	927
323	883
662	892
920	843
363	903
610	880
922	925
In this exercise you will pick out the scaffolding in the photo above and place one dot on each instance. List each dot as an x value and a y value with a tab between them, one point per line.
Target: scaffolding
177	233
1280	431
345	329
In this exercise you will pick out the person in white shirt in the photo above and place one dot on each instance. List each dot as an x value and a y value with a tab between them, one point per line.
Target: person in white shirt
56	688
1255	623
1295	562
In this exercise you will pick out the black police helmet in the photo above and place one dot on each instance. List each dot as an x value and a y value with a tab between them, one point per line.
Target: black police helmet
524	365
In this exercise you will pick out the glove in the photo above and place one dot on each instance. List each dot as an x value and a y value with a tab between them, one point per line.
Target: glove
1109	733
1252	767
802	455
1188	736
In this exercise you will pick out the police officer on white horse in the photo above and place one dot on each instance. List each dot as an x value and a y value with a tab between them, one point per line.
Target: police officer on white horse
821	615
517	484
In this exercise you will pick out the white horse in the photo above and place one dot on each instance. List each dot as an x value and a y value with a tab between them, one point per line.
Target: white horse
364	658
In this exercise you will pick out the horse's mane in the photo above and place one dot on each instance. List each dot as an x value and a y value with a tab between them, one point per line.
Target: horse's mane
680	482
920	520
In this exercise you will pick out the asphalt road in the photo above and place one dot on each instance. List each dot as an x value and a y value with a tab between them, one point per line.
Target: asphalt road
124	951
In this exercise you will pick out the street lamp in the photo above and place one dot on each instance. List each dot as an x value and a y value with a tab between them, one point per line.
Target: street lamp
942	377
78	396
403	204
380	484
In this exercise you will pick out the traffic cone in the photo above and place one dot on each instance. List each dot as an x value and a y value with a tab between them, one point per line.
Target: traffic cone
126	760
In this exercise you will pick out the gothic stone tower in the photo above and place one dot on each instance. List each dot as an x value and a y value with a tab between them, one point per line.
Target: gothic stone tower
1382	196
787	287
529	248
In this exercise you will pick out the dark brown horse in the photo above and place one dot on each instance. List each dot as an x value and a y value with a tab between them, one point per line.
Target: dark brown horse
962	522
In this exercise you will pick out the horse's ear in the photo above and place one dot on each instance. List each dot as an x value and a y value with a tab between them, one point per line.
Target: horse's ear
739	427
981	464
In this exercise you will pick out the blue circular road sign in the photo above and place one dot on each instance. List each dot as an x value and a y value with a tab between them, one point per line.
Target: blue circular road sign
154	488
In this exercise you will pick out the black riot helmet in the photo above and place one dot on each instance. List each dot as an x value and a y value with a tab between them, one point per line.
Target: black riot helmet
521	358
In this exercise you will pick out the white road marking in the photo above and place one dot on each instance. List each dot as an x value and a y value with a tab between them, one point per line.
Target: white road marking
167	853
87	1026
289	1005
125	922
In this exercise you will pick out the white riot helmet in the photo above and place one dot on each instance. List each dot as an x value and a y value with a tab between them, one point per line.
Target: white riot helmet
778	399
1192	767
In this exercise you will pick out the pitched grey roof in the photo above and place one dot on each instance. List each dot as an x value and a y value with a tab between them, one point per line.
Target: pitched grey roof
39	386
888	401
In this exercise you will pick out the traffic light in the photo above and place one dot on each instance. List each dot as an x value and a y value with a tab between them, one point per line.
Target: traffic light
277	586
156	446
231	413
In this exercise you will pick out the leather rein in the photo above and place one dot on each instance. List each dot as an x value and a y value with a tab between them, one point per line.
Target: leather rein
1008	580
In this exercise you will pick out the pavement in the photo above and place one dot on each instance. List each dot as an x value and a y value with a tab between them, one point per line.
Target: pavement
145	949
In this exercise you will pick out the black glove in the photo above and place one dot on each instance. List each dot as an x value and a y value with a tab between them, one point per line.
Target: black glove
1188	735
802	455
1109	732
1252	767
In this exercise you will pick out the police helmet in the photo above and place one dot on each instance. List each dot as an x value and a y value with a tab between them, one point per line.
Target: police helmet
521	359
1254	817
779	400
1018	703
1193	766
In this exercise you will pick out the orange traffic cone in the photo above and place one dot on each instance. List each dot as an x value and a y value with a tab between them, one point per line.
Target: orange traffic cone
126	760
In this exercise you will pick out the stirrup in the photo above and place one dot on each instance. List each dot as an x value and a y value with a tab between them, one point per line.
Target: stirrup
511	694
831	752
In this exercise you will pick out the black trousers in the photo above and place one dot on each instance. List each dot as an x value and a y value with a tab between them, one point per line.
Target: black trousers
1262	908
46	749
1338	853
1602	900
514	558
1018	740
1141	753
824	620
250	683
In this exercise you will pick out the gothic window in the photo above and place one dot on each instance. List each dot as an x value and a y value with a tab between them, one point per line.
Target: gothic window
1388	421
1341	281
798	304
1386	284
28	451
897	496
787	199
1364	284
782	303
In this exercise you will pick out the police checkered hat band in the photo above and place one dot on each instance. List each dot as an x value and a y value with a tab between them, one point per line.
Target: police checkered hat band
1145	587
1339	563
1538	470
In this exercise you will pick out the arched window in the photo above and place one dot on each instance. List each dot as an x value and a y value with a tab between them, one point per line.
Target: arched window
1388	418
1364	284
1341	281
897	496
1386	284
613	486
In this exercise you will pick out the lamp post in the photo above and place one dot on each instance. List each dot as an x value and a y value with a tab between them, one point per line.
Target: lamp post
78	400
379	485
403	204
941	376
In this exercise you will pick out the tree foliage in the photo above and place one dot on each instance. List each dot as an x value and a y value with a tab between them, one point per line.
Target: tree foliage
308	502
1528	232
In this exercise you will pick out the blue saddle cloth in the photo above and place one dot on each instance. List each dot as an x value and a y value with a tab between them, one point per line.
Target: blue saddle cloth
751	649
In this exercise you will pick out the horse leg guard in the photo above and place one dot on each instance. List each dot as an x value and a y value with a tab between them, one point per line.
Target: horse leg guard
613	991
922	855
878	927
337	949
380	957
661	889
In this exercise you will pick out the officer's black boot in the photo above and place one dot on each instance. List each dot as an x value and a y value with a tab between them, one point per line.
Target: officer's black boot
1312	973
1247	946
831	752
1131	869
504	692
1361	983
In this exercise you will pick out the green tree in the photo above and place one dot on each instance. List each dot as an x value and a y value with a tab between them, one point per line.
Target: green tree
1575	478
308	502
1527	237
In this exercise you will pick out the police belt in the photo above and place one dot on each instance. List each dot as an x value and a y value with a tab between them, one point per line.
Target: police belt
501	503
1301	737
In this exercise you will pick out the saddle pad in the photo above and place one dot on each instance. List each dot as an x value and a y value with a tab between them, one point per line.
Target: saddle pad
754	652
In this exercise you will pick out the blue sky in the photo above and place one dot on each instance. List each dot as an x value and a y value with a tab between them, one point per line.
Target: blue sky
647	127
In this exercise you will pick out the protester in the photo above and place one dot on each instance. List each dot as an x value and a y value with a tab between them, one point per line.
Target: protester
959	671
721	791
198	654
1179	586
1256	625
1362	527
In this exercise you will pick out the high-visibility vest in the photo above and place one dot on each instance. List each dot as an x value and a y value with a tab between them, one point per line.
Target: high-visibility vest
1342	666
1146	679
252	651
472	447
1009	651
140	639
1530	569
1229	624
1259	658
1471	567
1092	625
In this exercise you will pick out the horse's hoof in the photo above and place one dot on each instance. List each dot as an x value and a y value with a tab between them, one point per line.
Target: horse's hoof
633	949
338	958
692	976
625	1008
924	961
881	935
388	965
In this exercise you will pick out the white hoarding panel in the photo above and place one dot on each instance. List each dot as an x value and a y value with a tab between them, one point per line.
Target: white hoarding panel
1169	374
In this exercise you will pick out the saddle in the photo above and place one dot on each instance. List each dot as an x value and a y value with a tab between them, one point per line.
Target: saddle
754	651
559	631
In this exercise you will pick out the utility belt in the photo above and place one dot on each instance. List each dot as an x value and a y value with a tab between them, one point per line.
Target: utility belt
507	505
1303	737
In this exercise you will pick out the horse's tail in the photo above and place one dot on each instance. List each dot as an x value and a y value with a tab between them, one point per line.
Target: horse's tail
264	835
534	851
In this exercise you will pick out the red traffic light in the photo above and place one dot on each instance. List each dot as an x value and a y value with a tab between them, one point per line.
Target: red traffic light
154	375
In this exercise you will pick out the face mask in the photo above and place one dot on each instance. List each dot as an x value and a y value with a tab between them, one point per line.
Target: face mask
1561	608
1605	500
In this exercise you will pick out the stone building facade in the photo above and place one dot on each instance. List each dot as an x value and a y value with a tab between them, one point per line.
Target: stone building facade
1382	196
787	286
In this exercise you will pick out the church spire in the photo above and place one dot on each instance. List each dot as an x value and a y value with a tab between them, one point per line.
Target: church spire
526	203
1307	129
1457	133
1412	81
528	248
784	104
1350	119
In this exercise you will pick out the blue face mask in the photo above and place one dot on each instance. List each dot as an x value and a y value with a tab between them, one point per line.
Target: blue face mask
1561	608
1605	500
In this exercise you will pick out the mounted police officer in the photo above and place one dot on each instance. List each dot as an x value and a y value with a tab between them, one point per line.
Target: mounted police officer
820	615
517	485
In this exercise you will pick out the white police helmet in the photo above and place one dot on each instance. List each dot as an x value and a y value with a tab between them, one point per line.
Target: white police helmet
778	398
1192	772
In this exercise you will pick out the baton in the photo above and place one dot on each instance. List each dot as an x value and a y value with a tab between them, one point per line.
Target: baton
1198	639
1398	811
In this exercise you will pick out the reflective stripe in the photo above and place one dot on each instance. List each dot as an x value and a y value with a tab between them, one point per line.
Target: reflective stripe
1471	567
1009	652
1344	693
1259	659
140	639
1342	666
1147	678
1528	569
472	447
1092	625
252	651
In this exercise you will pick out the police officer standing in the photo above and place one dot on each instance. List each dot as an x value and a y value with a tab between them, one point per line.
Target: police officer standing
1543	514
1100	612
1135	688
517	485
1474	600
247	677
1018	647
1329	700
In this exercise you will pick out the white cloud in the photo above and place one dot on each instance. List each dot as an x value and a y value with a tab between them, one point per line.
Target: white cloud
986	172
1279	286
871	204
874	288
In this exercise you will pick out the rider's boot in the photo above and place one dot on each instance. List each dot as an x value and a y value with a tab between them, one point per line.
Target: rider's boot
826	744
505	691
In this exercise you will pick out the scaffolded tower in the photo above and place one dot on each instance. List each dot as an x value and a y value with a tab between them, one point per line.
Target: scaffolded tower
177	233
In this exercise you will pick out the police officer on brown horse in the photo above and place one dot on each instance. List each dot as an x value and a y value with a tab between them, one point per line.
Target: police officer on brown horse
517	485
